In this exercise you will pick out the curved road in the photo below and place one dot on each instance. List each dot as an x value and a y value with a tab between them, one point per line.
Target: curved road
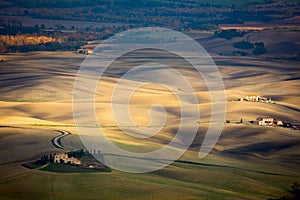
56	141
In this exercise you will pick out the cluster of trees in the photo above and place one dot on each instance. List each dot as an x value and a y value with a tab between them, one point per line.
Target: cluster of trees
180	15
79	153
51	46
131	3
15	27
240	16
16	38
243	45
258	47
229	34
22	40
27	43
46	159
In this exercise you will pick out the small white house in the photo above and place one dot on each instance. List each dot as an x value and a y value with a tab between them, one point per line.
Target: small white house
265	121
252	97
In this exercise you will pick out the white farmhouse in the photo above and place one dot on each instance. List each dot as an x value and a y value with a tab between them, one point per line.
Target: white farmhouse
252	97
265	121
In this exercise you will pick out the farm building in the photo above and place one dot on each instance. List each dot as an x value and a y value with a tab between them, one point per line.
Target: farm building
85	51
59	157
88	51
256	98
63	157
252	97
278	122
265	121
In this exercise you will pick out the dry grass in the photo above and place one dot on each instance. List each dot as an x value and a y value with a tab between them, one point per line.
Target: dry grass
248	162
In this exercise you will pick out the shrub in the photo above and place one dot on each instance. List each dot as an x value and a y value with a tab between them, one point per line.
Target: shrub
243	45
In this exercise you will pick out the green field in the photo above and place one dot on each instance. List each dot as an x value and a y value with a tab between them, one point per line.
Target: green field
33	165
178	181
64	168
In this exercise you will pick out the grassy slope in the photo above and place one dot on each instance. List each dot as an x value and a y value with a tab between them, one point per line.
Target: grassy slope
211	181
63	168
176	182
218	177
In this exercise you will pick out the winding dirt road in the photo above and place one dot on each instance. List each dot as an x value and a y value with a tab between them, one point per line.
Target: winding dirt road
56	141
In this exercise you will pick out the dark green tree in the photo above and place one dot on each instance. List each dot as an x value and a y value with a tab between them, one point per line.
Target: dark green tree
259	48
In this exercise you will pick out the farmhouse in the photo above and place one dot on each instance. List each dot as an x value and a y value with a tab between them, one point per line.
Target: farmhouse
252	97
63	158
59	157
85	51
88	51
265	121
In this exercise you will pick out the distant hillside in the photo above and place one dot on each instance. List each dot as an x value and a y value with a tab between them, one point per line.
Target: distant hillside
274	32
136	3
275	43
179	15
